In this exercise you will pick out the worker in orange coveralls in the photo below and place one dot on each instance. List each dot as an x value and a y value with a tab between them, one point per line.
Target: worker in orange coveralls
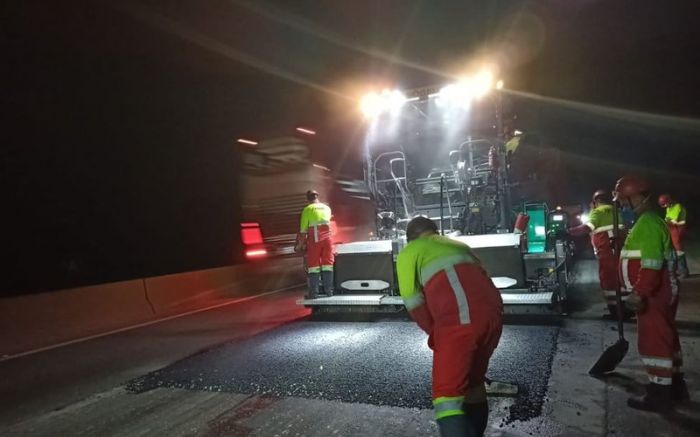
600	225
646	270
675	219
315	235
450	296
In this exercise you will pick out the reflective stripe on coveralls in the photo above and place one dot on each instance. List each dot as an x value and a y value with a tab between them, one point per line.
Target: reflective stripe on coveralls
317	225
448	406
447	265
413	302
609	229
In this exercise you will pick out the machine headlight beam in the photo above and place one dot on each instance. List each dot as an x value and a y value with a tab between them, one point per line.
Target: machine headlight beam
374	104
459	95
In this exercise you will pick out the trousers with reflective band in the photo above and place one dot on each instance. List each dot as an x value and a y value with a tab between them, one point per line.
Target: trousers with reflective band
607	272
319	251
461	356
658	342
461	351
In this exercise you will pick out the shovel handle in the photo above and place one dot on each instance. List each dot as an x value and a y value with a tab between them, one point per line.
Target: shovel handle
616	254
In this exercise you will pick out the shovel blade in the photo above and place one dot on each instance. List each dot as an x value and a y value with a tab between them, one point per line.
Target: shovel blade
610	358
499	388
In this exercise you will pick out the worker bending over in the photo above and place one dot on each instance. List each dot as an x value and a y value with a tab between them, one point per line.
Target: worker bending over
450	296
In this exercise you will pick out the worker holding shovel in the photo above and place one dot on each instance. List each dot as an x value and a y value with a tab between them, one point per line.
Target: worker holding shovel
646	270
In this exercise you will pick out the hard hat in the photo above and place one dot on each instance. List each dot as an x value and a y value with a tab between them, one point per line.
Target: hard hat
664	200
628	186
602	195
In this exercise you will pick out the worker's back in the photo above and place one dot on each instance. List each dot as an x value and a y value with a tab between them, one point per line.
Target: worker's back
446	270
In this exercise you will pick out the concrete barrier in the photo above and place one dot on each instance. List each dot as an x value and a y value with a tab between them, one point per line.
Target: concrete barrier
180	292
42	320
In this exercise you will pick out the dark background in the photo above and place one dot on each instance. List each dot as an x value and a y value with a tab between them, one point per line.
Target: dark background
120	118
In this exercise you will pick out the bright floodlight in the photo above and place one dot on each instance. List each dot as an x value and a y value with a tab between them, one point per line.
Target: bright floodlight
396	100
249	142
482	83
499	85
456	95
461	94
371	105
374	104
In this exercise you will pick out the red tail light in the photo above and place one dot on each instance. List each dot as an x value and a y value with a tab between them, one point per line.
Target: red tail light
252	239
251	234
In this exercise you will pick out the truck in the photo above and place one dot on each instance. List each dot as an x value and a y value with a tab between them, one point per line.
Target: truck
440	152
276	174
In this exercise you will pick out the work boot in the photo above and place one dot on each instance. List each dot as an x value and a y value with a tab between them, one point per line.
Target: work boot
314	280
679	389
456	426
478	416
658	399
327	278
683	267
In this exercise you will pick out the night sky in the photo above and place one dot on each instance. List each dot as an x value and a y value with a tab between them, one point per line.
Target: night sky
120	117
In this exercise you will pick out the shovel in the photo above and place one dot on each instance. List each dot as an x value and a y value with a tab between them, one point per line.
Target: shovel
499	388
615	353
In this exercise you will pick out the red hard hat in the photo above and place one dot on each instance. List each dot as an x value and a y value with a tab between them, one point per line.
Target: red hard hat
601	194
628	186
664	200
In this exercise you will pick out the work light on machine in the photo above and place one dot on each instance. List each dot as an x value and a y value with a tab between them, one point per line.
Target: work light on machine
461	93
388	101
481	84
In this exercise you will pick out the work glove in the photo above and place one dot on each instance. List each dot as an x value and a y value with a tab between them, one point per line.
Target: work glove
636	303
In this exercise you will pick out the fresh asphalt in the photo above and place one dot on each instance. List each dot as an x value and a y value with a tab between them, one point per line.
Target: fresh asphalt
379	363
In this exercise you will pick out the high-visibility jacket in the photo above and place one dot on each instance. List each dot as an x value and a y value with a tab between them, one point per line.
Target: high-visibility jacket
646	259
675	219
316	218
675	214
425	258
600	221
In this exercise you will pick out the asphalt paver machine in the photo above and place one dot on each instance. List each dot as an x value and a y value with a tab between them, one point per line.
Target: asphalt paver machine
440	153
